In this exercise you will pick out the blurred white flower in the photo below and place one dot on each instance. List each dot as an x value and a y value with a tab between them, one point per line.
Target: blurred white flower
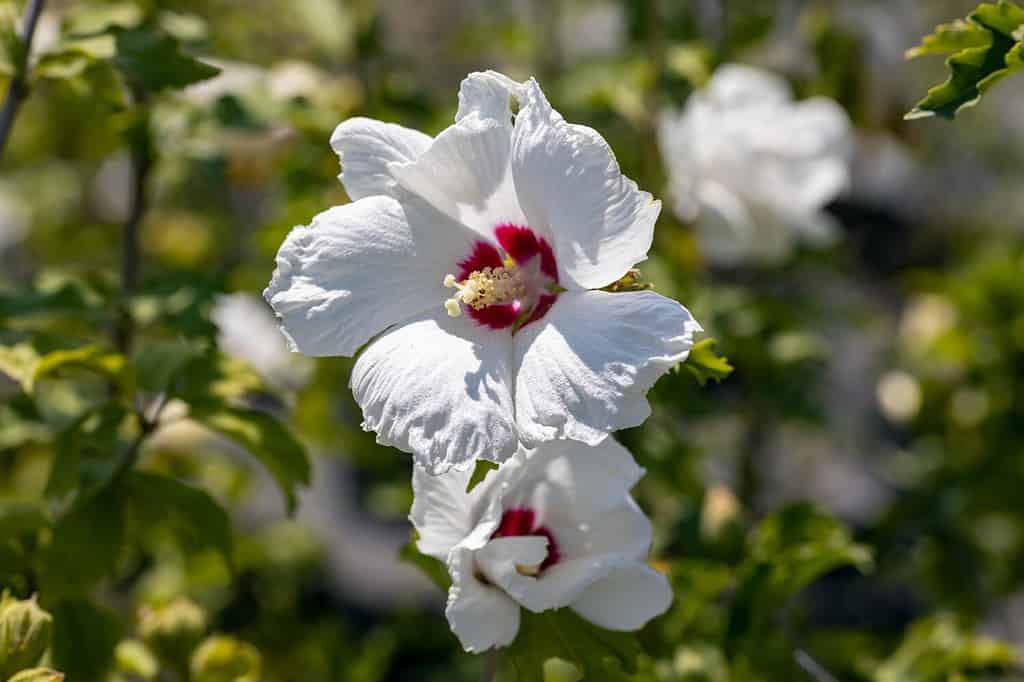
752	168
552	528
471	259
248	331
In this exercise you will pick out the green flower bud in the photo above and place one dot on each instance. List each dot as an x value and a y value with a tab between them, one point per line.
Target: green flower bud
225	659
25	631
558	670
172	630
131	657
38	675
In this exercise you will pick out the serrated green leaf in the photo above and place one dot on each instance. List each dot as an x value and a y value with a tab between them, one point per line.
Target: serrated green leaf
265	438
84	639
431	567
786	552
985	50
952	37
153	61
197	518
705	364
600	654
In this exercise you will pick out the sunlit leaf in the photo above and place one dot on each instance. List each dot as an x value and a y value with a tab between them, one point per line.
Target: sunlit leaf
705	364
940	649
985	50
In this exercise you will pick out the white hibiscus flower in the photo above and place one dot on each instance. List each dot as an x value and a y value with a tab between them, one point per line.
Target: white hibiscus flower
552	528
752	168
473	258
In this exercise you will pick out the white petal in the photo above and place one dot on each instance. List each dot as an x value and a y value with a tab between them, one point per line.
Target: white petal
726	231
585	368
465	172
359	268
626	598
500	559
486	94
570	483
441	510
622	531
439	387
570	187
366	147
481	616
558	586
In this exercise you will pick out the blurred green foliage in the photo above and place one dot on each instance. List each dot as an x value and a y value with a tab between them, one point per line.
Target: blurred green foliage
151	479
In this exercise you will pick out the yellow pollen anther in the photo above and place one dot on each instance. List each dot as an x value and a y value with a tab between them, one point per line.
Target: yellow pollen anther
486	287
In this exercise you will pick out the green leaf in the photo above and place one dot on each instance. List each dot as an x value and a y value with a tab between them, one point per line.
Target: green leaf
940	649
96	358
705	365
949	38
157	362
84	639
480	471
431	567
19	363
85	547
21	518
984	50
265	438
600	654
787	552
196	517
87	455
153	61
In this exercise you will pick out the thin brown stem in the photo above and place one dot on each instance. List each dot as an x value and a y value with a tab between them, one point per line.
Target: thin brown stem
142	164
490	666
17	91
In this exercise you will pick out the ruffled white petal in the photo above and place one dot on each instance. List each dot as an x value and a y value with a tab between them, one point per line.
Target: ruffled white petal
465	171
441	510
584	370
359	268
570	187
366	147
625	599
439	387
481	616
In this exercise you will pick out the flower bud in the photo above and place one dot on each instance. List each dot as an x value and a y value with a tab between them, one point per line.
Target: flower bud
38	675
25	631
225	659
172	630
558	670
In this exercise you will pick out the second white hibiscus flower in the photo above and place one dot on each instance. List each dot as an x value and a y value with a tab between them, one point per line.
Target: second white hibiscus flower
475	256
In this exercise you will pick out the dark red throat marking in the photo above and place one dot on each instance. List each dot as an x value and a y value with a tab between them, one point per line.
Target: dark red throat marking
522	521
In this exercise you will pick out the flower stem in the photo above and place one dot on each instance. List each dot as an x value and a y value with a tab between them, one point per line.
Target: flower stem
17	91
142	163
490	666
